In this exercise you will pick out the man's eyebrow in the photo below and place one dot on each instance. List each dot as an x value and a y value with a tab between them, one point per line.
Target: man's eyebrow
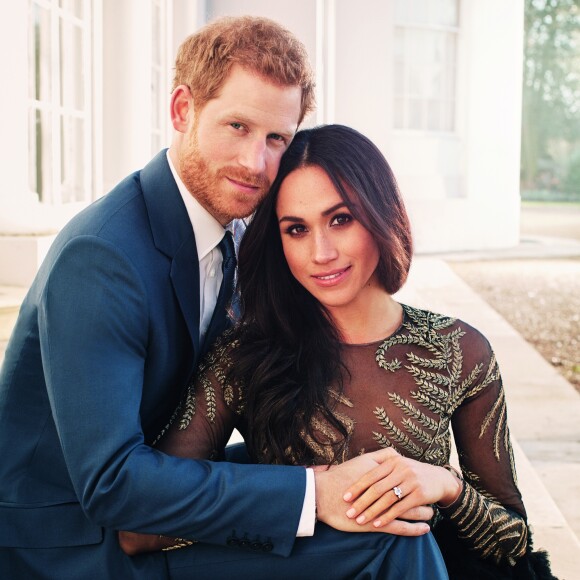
233	116
288	134
325	213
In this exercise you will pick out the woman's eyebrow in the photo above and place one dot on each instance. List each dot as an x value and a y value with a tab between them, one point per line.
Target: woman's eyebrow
290	218
334	208
325	213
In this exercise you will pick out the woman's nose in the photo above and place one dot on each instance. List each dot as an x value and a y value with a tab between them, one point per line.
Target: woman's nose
324	250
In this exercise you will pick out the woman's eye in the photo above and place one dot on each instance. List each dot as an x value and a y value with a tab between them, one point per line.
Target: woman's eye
295	230
341	219
236	125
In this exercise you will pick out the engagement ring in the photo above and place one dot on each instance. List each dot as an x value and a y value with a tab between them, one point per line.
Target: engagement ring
398	492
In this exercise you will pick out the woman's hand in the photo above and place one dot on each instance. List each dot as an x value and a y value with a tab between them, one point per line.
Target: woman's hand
399	484
330	483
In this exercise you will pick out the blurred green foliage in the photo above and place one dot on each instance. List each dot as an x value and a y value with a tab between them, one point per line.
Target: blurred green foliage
551	96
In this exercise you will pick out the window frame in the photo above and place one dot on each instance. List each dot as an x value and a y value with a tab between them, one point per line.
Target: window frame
54	161
405	27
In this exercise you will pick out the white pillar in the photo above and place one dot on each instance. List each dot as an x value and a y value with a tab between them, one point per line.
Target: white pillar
127	88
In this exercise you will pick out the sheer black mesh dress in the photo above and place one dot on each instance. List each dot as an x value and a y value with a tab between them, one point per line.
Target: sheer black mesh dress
433	379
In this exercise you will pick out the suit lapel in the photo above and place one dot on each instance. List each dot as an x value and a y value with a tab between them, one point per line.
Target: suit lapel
173	235
185	279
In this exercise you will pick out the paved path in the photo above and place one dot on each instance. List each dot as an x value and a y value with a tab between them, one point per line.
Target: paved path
560	220
543	409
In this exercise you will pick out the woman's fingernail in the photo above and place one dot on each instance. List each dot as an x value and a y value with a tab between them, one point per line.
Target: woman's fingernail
377	523
361	519
350	513
347	496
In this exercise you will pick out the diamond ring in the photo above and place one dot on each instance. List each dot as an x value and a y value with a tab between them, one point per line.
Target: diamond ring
398	492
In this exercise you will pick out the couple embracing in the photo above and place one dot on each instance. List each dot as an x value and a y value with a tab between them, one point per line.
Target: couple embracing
345	398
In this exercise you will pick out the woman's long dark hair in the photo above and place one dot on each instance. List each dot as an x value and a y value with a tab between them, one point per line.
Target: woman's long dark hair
289	350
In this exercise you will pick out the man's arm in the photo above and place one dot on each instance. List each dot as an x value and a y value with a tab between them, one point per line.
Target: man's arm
201	428
95	329
329	485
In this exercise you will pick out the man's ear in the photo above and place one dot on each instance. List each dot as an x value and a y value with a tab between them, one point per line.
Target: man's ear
181	108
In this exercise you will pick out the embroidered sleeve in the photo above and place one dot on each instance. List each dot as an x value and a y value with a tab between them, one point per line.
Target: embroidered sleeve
209	409
489	514
487	527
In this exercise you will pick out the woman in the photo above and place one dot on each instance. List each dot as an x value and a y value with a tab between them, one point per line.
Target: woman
326	365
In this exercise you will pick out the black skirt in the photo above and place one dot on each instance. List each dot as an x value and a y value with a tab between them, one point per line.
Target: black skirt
463	564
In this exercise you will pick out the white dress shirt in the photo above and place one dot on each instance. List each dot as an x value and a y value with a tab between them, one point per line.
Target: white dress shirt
208	234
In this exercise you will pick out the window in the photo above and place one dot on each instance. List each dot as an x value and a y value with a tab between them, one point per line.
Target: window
425	64
59	119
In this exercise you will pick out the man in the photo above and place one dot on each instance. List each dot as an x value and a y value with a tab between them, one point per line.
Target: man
114	325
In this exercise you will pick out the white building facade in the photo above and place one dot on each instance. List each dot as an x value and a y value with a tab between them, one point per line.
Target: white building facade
436	84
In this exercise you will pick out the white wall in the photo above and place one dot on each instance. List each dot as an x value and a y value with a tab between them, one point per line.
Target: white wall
298	16
188	16
461	189
493	119
484	154
126	91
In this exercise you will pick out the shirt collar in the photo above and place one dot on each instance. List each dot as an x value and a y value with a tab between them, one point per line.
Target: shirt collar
207	230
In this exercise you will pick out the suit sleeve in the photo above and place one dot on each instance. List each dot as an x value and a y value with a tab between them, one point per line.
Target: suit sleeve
94	325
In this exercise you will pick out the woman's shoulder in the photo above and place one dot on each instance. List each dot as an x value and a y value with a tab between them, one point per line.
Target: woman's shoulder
451	342
222	351
435	325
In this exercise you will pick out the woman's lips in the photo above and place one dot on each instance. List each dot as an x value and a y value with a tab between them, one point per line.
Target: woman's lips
331	278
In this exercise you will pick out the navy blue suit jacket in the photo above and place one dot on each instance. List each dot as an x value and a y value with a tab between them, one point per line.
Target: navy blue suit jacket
106	339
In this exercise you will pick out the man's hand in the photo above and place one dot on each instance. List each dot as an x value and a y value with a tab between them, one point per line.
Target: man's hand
331	485
133	543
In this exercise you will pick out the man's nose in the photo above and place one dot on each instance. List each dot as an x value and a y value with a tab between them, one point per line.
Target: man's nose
252	156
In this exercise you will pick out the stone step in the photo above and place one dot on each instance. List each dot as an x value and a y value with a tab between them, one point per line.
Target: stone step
549	527
543	410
